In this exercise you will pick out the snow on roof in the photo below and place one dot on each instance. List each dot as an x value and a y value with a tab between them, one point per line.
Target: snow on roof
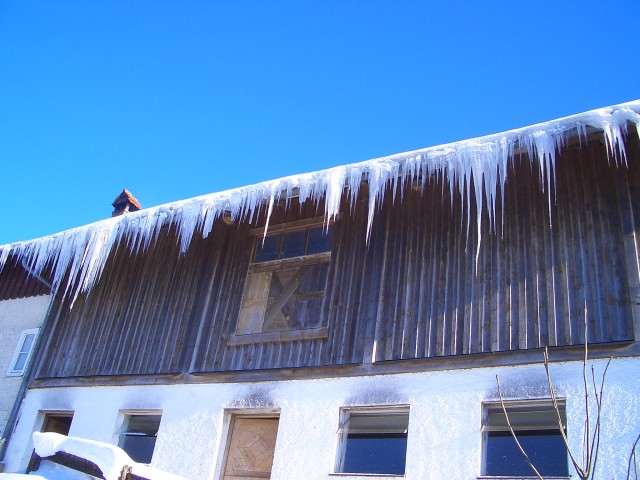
83	251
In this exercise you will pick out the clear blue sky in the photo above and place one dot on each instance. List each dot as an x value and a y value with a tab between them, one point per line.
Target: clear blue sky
176	99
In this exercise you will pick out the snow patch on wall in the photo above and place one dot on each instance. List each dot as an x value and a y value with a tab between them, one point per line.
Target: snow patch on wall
477	168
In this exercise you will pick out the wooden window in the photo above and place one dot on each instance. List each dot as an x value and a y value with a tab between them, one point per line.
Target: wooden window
138	435
57	422
250	448
285	287
536	426
22	354
373	441
295	243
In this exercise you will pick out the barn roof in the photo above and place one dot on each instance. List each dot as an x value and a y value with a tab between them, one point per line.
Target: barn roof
476	168
17	282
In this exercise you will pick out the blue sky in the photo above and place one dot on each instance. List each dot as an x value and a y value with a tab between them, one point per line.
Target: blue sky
176	99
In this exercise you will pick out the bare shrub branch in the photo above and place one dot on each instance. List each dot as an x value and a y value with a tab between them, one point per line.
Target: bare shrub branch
585	469
513	433
632	458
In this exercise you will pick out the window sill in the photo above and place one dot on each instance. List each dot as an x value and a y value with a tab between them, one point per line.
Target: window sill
528	477
284	336
291	262
366	475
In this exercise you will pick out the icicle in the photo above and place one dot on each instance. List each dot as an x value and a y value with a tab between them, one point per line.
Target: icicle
334	187
82	252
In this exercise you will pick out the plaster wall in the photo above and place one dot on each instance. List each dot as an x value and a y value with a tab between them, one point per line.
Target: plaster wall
444	439
15	316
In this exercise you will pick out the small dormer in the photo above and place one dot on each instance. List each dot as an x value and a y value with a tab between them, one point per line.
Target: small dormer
125	203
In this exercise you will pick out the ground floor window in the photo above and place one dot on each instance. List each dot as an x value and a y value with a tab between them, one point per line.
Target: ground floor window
56	422
138	435
537	429
373	440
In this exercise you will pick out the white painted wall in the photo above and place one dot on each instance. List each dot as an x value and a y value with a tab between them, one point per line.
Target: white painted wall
444	440
15	316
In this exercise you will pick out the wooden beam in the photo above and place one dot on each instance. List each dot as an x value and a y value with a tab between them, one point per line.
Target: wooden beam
284	336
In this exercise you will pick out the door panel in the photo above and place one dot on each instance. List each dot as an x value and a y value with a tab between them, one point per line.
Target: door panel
251	448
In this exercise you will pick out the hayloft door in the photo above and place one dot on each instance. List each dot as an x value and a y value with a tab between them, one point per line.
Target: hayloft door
251	448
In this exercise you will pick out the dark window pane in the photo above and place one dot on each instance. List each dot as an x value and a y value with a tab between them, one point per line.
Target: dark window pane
293	244
319	240
545	448
144	424
28	341
139	448
20	362
139	439
370	453
57	423
267	249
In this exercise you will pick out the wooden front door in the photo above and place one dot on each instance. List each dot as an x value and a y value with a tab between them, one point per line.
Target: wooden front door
251	448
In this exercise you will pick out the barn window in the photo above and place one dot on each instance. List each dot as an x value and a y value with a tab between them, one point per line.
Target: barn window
536	426
373	441
138	435
22	353
285	287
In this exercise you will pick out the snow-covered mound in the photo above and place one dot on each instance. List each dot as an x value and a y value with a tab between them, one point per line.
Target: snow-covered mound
108	458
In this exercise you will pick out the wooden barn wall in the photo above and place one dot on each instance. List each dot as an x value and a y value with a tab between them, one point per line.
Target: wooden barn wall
532	278
416	290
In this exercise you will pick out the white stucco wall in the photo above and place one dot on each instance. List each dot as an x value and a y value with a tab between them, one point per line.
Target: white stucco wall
444	440
15	316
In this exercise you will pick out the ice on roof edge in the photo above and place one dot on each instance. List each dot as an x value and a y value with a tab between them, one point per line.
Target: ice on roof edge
84	250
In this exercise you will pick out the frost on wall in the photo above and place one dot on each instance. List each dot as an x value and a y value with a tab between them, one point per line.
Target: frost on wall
82	252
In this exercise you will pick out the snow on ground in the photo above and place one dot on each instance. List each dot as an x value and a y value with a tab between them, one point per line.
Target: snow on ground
83	251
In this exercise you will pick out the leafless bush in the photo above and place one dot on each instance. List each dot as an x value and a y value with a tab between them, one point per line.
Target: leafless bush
586	465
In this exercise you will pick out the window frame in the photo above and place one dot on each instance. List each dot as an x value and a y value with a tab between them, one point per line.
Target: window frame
346	413
534	406
266	266
12	371
123	428
282	229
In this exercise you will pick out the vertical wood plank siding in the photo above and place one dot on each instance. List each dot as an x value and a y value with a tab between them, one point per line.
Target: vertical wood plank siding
416	290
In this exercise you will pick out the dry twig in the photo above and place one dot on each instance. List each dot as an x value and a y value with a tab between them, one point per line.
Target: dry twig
591	440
